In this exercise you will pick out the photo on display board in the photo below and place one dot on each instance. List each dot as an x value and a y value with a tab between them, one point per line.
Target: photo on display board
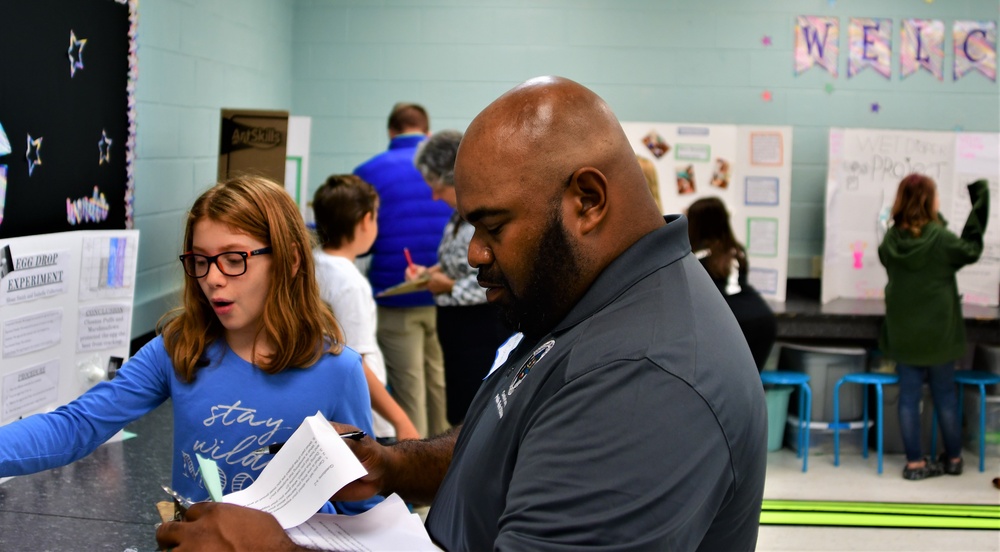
656	144
720	176
6	262
685	180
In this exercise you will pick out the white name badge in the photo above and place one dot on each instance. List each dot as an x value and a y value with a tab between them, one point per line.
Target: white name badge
504	351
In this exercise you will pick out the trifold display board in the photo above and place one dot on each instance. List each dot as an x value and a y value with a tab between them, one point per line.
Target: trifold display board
66	303
864	170
748	167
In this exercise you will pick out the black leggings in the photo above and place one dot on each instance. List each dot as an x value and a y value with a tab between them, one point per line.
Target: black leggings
469	338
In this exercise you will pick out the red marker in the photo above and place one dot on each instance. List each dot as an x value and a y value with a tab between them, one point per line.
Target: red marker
409	259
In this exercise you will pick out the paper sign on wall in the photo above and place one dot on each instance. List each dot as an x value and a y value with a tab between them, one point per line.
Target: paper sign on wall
36	275
103	327
34	332
28	390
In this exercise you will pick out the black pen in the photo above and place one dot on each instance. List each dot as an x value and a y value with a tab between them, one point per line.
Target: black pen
273	449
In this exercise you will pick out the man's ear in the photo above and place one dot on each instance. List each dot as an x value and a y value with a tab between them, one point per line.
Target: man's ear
588	189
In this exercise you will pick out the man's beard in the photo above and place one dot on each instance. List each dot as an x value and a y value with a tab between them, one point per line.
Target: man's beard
548	297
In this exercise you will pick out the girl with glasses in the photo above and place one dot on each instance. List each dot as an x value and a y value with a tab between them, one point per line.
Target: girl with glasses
251	352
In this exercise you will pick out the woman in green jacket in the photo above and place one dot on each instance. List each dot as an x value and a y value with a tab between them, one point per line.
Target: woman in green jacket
924	331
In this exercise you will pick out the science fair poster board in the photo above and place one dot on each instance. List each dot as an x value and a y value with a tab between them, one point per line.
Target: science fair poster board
864	170
66	300
748	167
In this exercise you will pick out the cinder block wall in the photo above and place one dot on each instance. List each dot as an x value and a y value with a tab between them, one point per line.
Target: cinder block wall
195	57
345	62
661	60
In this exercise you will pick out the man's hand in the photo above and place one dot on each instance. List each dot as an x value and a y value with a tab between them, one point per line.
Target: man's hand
372	456
224	527
412	469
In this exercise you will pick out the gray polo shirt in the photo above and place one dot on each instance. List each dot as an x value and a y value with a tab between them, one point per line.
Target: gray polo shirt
638	423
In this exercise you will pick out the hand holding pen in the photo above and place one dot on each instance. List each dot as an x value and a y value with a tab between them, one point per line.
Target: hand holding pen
274	448
413	270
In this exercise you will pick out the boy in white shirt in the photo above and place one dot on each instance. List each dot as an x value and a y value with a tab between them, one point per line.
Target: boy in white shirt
346	211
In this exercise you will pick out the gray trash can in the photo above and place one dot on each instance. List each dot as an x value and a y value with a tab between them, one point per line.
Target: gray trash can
825	366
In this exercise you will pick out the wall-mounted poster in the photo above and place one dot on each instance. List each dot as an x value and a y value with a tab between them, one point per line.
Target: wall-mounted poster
747	167
67	115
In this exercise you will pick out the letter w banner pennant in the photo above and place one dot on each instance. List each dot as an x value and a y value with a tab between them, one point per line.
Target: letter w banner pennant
975	48
922	45
817	41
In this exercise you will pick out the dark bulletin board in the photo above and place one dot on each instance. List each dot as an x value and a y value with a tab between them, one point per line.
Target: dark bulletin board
71	96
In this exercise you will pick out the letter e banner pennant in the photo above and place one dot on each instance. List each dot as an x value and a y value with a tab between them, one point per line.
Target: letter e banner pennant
870	42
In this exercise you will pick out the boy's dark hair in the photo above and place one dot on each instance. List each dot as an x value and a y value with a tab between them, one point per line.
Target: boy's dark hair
339	205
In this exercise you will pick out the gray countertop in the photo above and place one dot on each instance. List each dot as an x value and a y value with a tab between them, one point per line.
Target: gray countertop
105	501
804	318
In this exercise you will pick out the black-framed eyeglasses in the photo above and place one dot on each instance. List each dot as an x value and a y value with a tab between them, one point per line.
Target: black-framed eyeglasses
230	263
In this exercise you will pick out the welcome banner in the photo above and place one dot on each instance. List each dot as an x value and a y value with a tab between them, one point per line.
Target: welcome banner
921	46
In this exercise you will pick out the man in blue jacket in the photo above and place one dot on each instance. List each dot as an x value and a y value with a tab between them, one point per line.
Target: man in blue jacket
409	218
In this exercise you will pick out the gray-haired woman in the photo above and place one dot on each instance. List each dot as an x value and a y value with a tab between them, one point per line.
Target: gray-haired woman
469	328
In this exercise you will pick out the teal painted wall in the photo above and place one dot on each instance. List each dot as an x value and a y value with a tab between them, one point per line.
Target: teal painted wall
195	57
657	60
345	62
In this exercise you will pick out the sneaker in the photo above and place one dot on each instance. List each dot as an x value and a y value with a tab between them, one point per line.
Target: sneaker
929	469
949	467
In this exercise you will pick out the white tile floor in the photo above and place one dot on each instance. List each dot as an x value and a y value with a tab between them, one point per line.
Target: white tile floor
857	479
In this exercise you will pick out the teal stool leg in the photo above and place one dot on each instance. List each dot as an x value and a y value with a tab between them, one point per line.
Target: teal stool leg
982	426
864	443
805	430
878	393
836	423
800	452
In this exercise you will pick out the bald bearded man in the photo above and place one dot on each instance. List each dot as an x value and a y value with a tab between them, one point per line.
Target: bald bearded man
627	413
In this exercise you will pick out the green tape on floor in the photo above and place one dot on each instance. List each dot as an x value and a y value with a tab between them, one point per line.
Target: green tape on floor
880	514
907	508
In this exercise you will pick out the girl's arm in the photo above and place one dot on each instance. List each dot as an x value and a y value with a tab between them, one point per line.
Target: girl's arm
386	406
74	430
969	246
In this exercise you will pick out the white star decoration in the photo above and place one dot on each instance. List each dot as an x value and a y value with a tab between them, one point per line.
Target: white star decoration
75	53
104	147
4	142
32	154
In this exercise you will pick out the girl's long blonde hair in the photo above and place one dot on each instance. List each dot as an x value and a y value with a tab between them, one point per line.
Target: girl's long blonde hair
295	320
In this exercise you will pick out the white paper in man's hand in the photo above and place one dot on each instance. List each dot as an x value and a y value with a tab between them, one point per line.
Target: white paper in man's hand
387	526
312	465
